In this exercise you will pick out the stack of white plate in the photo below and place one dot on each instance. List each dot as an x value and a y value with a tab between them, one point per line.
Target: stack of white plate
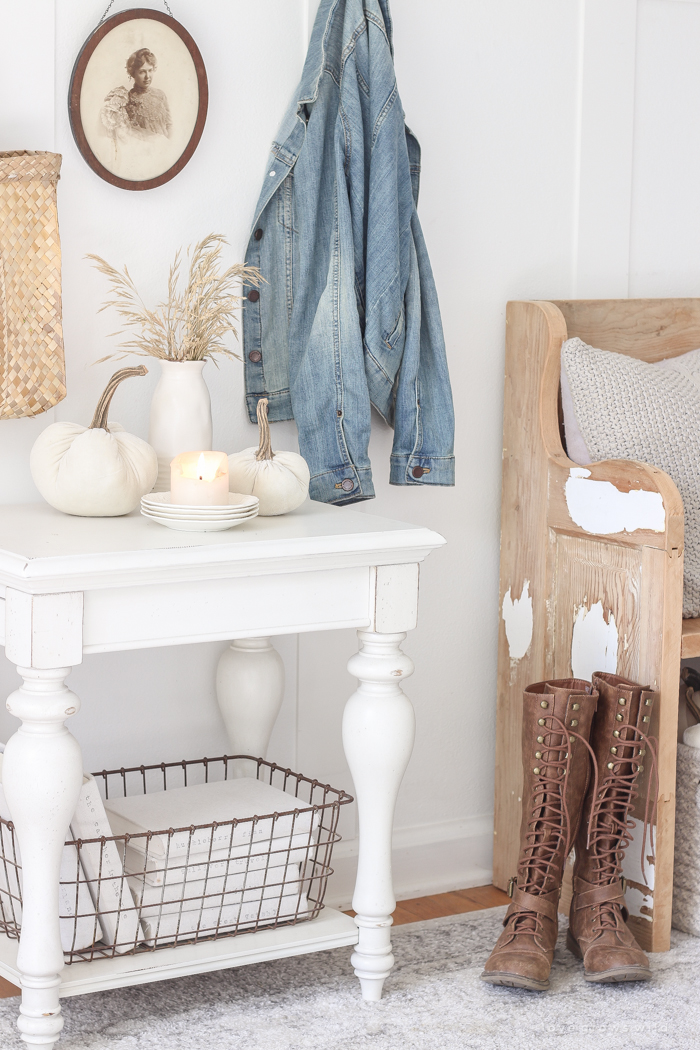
157	506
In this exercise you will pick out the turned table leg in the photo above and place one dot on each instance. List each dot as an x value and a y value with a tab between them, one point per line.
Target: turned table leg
42	777
250	688
378	731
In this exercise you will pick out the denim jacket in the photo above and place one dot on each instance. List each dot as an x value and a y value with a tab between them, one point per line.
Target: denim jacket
349	315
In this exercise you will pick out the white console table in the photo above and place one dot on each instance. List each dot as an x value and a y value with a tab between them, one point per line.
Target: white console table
91	585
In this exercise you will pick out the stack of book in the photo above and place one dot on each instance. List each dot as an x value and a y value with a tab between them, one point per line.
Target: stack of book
239	871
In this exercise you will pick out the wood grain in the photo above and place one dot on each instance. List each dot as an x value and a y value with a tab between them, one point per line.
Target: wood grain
690	640
532	330
7	990
439	905
649	329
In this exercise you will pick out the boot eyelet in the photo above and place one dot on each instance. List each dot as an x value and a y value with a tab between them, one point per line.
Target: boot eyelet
571	739
618	717
622	702
642	751
613	750
543	703
648	703
575	707
574	722
646	718
611	765
616	732
640	769
536	769
540	740
540	721
538	754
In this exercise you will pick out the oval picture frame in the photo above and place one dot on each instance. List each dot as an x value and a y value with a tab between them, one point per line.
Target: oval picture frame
138	137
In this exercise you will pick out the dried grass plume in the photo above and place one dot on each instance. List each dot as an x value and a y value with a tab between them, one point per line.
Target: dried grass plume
191	324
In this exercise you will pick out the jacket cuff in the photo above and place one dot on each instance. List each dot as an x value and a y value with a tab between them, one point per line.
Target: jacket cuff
422	470
279	406
342	486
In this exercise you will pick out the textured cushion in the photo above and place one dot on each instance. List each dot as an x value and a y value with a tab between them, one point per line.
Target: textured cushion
628	409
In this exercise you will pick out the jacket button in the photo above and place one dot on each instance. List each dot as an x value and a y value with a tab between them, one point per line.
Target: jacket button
253	295
258	234
255	356
418	472
348	485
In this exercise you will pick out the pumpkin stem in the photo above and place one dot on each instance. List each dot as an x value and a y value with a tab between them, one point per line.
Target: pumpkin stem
265	447
99	420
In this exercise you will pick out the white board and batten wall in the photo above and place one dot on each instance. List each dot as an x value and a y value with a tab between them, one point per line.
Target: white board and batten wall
557	162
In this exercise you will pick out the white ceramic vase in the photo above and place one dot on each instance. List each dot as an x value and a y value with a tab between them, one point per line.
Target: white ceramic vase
180	416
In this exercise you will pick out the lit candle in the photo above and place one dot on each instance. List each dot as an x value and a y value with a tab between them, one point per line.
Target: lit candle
199	479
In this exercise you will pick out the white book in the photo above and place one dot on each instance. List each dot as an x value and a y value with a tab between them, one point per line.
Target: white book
72	899
215	893
183	924
157	871
200	804
104	870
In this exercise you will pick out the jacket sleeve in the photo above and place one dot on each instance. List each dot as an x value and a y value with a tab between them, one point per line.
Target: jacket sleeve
404	346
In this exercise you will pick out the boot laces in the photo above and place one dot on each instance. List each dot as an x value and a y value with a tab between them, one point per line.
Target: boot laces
549	825
609	825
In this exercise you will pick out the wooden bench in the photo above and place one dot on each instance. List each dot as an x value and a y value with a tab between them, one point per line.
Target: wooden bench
577	597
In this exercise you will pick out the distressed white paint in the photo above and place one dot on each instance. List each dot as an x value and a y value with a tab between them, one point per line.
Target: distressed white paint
517	614
633	868
594	642
599	507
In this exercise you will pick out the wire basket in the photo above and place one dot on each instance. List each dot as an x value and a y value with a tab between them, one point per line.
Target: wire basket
138	893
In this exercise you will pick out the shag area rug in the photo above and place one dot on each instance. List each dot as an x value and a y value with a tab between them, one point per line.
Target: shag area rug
434	1000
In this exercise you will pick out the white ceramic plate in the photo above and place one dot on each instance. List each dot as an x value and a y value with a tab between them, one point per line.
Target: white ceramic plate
182	525
161	500
182	515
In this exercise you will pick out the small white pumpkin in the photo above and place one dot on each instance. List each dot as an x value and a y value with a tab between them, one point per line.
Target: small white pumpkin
95	471
280	480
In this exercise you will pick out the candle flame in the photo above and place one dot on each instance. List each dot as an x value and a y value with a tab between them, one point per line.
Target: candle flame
202	469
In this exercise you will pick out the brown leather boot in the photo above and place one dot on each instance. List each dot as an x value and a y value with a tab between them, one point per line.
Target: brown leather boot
598	932
556	725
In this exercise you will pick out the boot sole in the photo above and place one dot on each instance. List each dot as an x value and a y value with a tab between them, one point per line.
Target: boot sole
514	980
618	975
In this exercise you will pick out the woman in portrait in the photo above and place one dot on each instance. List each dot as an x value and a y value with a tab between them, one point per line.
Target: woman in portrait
141	111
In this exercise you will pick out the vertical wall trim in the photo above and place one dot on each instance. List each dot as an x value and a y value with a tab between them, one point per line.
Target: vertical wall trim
605	148
577	146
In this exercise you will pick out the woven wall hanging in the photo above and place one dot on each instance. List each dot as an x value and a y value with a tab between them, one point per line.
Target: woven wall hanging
32	369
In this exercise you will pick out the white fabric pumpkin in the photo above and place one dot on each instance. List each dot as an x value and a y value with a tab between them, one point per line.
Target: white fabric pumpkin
280	480
95	471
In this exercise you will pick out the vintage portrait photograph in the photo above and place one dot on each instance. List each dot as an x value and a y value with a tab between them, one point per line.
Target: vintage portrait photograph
138	99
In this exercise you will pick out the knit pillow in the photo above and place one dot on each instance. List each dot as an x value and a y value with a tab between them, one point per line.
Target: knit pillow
628	409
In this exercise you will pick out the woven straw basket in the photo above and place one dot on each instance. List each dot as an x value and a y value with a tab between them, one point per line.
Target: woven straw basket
32	367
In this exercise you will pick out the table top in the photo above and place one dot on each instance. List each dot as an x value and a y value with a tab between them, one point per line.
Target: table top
41	546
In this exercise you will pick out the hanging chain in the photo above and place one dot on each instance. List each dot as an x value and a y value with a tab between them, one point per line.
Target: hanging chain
111	5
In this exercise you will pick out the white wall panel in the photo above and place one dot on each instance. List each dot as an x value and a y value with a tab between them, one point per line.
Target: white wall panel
665	259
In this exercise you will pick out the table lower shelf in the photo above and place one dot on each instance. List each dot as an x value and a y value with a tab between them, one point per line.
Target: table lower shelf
331	929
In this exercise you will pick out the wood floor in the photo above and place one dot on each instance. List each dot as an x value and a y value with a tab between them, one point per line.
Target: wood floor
441	904
434	907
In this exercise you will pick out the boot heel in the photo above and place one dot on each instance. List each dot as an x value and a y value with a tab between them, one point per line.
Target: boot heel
572	945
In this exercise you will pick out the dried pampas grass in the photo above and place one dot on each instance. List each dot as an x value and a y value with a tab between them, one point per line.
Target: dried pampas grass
191	324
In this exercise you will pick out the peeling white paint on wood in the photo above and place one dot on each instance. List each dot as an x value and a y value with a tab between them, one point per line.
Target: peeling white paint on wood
600	508
594	642
638	903
632	867
517	614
